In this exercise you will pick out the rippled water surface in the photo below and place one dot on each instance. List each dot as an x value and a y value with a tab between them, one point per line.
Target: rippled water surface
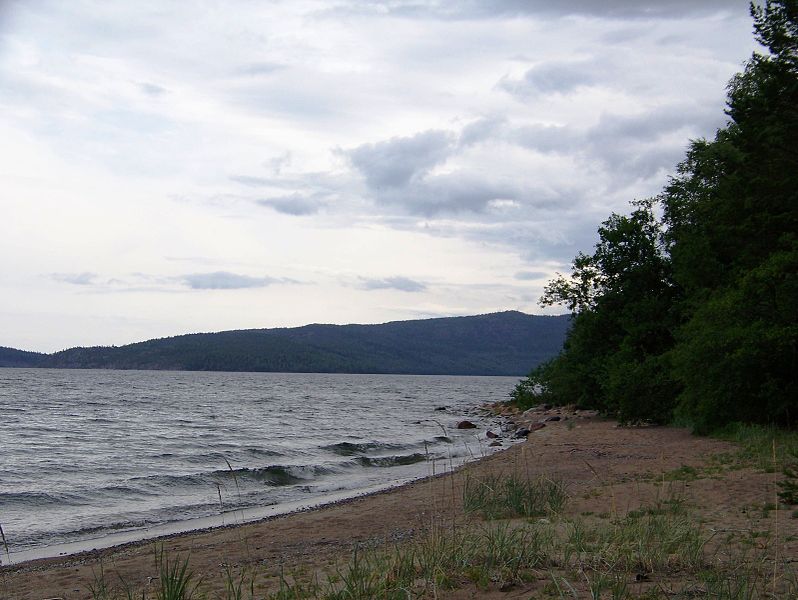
84	453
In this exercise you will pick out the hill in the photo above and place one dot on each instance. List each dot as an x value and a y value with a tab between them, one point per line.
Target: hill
10	357
506	343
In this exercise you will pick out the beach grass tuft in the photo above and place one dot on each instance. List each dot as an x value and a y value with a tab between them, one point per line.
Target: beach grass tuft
5	544
510	496
176	580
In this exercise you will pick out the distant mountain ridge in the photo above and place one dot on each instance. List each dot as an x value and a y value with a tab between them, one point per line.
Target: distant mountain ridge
504	343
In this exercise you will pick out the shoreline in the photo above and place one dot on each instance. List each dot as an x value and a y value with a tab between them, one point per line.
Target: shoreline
132	538
201	525
608	471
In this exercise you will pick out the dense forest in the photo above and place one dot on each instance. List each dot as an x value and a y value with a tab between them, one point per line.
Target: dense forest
687	309
507	343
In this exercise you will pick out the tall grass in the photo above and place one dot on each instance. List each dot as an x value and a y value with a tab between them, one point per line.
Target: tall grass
5	545
176	580
509	496
757	444
657	551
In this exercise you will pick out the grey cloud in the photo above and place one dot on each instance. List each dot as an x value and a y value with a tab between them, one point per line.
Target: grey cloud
397	172
481	130
553	78
294	204
529	275
224	280
546	138
626	34
478	9
397	161
543	138
152	89
403	284
259	68
626	148
633	144
277	163
664	119
84	278
451	193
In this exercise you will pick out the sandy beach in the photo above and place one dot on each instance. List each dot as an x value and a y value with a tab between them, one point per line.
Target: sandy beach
606	469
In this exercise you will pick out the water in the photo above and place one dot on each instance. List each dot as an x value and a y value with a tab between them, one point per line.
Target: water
84	454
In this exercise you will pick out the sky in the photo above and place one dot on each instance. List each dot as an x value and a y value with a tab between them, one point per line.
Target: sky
172	167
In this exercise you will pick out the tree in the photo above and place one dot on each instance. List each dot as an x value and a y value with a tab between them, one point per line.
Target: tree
700	307
621	295
731	215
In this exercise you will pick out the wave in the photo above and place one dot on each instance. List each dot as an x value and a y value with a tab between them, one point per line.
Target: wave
391	461
274	474
38	499
353	449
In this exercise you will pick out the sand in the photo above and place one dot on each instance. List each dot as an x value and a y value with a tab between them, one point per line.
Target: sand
625	464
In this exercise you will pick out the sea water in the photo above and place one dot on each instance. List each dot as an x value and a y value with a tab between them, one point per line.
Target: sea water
86	455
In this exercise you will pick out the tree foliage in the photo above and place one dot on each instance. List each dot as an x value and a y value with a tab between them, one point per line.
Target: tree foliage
694	313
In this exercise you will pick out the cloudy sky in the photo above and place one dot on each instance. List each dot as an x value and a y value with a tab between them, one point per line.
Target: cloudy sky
171	167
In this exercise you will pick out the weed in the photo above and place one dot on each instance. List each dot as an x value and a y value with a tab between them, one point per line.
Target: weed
497	497
759	442
174	577
235	587
5	544
683	473
99	587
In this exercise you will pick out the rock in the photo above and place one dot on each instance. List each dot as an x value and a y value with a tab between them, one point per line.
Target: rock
466	425
536	427
441	408
495	443
555	418
490	434
522	433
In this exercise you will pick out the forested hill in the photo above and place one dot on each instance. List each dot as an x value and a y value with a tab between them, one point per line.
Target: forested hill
506	343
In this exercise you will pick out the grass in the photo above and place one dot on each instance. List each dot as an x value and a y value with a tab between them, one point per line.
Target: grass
177	581
5	544
508	496
766	448
657	551
515	532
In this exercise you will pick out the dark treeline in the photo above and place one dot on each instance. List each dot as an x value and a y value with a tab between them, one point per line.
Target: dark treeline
688	307
507	343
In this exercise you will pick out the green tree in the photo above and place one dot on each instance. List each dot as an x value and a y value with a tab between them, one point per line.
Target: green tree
702	307
621	296
731	215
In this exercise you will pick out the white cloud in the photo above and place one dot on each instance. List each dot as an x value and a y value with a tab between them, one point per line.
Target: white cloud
472	144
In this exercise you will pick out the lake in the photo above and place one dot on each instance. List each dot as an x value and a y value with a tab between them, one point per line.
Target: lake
93	457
